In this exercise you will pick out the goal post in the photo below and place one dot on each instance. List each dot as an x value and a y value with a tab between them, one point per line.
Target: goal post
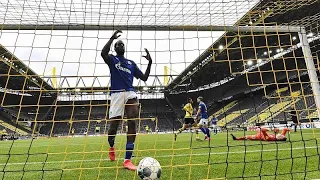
312	71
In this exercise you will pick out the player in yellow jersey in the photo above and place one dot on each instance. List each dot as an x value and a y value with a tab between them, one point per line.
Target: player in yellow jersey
188	119
72	132
3	134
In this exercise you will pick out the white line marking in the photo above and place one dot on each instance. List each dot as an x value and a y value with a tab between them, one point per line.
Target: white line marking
164	156
54	144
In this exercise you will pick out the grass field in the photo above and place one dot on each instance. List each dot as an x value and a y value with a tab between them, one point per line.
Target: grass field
87	158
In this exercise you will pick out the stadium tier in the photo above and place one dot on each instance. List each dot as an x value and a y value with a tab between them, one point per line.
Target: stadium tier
159	90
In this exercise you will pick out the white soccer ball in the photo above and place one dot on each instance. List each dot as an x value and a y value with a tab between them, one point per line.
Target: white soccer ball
149	169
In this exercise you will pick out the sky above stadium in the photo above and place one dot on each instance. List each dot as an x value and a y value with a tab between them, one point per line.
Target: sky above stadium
77	53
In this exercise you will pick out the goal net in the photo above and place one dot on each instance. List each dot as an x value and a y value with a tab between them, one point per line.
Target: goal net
254	63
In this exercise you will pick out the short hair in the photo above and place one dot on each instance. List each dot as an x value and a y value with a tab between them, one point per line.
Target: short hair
200	98
115	44
189	99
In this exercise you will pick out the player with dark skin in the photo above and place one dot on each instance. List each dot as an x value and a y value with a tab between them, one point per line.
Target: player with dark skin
132	105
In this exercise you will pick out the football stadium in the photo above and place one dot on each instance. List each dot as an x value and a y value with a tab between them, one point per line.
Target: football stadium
172	90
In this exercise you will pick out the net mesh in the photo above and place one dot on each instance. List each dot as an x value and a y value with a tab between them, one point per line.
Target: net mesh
55	88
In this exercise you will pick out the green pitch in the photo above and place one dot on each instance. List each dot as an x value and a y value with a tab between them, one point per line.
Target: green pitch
87	157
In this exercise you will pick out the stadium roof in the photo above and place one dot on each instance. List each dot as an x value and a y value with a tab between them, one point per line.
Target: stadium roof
16	71
205	71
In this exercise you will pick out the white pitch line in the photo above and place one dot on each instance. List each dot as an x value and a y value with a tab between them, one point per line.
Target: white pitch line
68	144
164	156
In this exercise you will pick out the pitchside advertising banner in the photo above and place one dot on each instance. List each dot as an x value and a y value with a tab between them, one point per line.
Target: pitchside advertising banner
305	125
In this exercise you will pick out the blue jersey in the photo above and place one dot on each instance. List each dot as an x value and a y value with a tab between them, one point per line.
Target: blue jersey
203	111
214	121
122	72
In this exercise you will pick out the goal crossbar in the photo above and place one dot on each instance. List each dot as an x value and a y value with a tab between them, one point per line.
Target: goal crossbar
151	28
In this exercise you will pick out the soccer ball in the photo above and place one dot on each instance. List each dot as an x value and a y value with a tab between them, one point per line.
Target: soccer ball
149	169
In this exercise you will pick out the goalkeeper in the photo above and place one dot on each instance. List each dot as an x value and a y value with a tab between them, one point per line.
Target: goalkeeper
263	135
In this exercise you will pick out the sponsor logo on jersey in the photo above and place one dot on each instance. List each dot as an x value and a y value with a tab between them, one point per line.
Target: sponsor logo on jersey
118	66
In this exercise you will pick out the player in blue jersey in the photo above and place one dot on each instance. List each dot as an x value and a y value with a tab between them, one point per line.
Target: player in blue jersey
214	121
203	116
123	96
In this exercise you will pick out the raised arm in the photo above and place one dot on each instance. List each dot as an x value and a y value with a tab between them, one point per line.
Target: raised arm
145	76
106	48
